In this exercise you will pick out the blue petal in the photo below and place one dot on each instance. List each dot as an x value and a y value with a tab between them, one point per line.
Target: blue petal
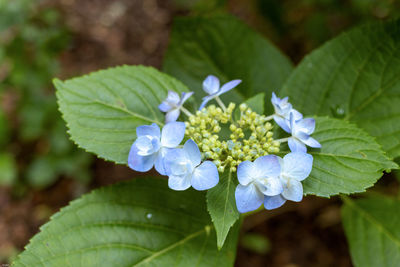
205	176
246	172
268	166
274	202
228	86
248	198
297	165
306	125
211	84
192	151
159	161
296	146
296	115
172	115
152	130
172	134
283	123
172	158
293	190
173	98
140	163
274	99
269	186
205	101
309	141
164	106
179	183
185	97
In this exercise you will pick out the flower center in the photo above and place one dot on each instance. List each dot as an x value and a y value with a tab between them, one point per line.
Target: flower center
247	135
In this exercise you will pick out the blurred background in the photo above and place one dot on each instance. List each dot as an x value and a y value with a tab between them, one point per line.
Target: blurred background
41	170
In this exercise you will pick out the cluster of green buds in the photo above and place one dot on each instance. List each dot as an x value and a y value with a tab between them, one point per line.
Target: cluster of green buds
246	138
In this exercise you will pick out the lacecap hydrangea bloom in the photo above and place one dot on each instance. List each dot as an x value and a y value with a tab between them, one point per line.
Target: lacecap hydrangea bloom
222	139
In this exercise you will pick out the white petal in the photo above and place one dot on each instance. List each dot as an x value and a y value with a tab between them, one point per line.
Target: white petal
172	115
193	152
205	176
152	130
293	190
172	134
179	183
297	165
274	202
296	146
248	198
159	161
211	84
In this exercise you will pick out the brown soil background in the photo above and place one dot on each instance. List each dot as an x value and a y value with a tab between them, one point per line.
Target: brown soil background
110	33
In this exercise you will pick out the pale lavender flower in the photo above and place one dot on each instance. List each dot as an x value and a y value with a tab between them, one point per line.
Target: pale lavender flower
184	168
282	112
172	105
150	147
301	131
211	86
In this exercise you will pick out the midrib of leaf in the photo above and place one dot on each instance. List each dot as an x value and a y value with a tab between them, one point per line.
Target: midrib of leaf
370	219
114	107
226	200
174	245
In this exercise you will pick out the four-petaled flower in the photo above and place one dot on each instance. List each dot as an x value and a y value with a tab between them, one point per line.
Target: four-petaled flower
257	180
172	105
184	168
282	112
150	147
211	87
295	167
301	130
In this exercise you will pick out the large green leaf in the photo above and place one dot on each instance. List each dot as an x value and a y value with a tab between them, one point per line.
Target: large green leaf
349	161
221	205
229	49
103	109
373	232
357	76
137	223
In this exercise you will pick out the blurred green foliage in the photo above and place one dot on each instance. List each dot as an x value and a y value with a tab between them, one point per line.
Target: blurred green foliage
32	134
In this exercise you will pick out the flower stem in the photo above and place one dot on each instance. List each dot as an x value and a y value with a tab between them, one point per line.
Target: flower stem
220	103
283	140
268	118
187	112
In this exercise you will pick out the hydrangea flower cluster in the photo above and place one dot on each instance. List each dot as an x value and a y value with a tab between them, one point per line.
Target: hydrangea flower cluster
233	139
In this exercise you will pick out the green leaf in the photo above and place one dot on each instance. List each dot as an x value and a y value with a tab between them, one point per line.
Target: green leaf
256	103
355	76
372	230
137	223
103	109
225	47
221	205
349	161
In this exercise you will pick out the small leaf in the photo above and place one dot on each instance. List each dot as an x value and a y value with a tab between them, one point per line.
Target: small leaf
349	161
136	223
224	46
355	76
256	103
103	109
372	229
221	205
